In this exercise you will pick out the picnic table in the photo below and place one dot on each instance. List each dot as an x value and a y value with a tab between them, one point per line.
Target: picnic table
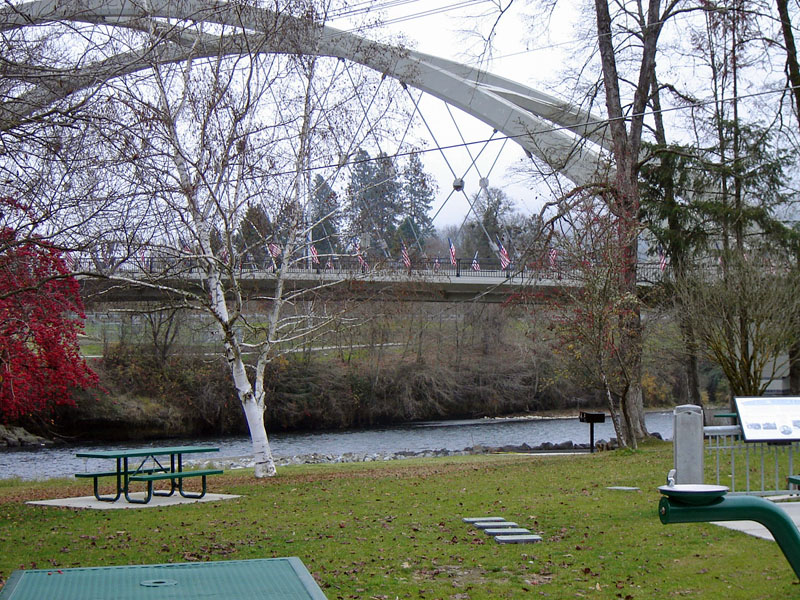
256	579
147	465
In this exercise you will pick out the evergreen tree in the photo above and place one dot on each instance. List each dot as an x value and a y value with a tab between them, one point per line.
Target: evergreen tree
374	204
388	205
324	217
254	232
417	194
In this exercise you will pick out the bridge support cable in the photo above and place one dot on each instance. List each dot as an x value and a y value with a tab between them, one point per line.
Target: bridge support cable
484	187
449	166
468	169
552	130
414	113
344	154
372	130
393	158
365	119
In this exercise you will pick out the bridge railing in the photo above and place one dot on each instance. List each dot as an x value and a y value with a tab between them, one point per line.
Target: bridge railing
350	266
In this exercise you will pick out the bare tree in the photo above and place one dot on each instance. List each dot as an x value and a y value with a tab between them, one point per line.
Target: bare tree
189	129
641	24
755	284
590	310
209	151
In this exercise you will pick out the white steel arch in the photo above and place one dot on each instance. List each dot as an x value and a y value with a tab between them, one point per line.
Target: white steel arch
567	138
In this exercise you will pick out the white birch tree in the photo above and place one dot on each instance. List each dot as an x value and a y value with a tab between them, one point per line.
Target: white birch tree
200	125
212	137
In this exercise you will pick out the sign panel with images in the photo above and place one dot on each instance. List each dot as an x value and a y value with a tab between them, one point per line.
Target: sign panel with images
769	419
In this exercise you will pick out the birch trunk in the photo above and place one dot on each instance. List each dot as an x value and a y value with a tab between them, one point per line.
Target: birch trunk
252	403
262	453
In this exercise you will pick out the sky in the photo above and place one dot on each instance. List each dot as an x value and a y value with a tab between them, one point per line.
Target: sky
538	60
438	27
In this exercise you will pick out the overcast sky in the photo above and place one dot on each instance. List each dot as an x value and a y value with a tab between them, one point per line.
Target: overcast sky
441	28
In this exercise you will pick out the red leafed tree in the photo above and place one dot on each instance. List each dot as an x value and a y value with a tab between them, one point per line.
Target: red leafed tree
41	315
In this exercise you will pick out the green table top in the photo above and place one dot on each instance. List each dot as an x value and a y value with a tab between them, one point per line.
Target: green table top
259	579
138	452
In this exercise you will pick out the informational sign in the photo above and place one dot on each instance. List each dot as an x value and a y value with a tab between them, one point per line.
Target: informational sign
769	419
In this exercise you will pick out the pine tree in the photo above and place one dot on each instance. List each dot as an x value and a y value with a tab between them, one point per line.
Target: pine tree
324	217
374	198
417	194
255	231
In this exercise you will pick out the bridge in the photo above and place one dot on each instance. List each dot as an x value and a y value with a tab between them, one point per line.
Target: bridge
428	280
559	136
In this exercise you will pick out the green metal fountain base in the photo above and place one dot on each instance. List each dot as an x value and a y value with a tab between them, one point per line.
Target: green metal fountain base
679	508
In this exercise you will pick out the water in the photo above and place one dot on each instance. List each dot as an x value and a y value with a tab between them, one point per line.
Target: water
44	463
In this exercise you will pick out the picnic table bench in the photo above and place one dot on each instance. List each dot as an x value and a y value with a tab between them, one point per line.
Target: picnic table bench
149	469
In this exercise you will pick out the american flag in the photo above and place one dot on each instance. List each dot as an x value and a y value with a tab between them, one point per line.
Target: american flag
361	261
406	257
274	250
553	254
143	258
69	262
314	255
476	266
662	258
504	259
452	252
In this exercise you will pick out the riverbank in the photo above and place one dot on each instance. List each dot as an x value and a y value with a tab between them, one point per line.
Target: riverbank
19	437
315	458
394	530
190	396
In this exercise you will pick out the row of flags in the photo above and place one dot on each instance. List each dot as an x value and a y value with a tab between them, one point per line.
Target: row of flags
275	252
505	260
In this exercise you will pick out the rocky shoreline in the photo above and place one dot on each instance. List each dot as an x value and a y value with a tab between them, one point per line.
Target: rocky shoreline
244	462
17	437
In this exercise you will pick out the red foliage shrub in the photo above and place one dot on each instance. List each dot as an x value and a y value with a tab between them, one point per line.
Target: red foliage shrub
41	315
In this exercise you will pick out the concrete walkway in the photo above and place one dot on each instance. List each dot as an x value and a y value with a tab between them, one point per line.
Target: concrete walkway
758	530
155	502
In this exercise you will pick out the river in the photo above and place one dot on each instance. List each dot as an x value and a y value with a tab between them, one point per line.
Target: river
43	463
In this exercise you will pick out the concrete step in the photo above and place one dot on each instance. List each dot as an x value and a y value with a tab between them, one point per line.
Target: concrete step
518	539
507	531
481	519
494	524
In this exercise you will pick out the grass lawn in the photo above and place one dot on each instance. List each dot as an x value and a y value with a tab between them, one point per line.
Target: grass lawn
394	530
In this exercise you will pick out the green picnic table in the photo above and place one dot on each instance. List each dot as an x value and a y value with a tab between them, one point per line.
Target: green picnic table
147	465
257	579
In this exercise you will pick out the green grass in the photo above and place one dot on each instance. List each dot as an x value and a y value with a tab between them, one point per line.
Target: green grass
394	530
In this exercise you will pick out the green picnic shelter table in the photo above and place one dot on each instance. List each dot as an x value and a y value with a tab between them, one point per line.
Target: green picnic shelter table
147	465
258	579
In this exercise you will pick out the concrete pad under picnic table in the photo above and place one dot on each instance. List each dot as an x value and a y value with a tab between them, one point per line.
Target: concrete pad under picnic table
155	502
